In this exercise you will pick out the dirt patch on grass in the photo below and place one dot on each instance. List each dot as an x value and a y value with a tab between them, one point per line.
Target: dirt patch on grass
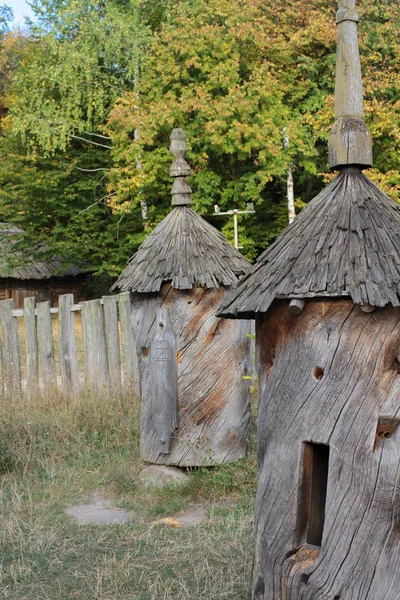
99	511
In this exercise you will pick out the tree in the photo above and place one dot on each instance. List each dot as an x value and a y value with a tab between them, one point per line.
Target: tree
223	71
238	75
83	55
52	183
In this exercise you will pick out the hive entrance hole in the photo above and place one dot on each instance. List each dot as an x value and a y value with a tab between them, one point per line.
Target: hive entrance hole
314	485
318	373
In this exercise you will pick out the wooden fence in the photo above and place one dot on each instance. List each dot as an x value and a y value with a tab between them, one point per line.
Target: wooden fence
44	347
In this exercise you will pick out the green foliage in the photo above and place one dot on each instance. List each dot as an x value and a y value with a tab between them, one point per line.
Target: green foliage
81	57
240	77
229	76
64	208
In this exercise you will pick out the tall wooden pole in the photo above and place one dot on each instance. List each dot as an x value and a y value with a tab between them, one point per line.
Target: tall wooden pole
350	141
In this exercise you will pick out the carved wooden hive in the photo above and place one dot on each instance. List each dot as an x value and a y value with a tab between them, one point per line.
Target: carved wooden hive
186	266
327	517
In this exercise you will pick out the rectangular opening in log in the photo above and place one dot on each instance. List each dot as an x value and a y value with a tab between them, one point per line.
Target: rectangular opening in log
314	484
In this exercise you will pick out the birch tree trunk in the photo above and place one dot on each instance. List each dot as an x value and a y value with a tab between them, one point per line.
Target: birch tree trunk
290	195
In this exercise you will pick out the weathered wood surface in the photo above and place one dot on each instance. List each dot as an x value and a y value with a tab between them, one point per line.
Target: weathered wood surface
32	357
185	250
213	355
350	141
102	348
164	372
67	344
112	340
329	376
96	364
346	242
46	345
11	359
130	368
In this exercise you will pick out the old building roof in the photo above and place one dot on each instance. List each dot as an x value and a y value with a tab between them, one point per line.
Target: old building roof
16	262
346	242
183	249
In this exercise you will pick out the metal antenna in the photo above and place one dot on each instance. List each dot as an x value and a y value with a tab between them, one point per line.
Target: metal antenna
181	191
235	212
350	141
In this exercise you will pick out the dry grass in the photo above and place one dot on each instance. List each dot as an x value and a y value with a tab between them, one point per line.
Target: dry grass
55	451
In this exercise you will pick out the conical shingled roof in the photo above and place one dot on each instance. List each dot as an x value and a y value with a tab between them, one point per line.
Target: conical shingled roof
346	242
183	249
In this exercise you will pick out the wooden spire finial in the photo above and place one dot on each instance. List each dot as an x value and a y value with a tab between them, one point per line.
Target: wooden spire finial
181	192
350	141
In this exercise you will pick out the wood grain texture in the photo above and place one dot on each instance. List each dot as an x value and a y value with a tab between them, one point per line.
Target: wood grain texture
346	242
11	359
212	357
164	374
95	347
67	343
328	376
32	357
46	345
112	340
130	368
350	141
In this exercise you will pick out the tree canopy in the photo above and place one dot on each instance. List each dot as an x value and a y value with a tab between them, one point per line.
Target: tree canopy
94	89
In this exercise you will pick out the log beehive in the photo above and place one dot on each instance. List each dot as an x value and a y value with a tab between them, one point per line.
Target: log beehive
326	297
195	402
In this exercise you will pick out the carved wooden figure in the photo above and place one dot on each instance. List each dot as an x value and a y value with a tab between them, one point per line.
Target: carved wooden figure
326	297
195	402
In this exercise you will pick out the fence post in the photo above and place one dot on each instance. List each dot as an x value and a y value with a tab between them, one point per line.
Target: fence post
32	362
112	340
11	359
67	343
94	339
46	344
1	371
129	356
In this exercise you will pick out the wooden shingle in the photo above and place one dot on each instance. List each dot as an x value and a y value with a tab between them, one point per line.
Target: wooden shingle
346	242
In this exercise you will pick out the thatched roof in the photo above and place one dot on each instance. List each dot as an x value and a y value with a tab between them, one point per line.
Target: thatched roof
346	242
16	263
185	250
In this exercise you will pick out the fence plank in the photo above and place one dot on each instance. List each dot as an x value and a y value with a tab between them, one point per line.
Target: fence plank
96	366
46	344
129	356
67	343
11	359
32	361
112	340
1	372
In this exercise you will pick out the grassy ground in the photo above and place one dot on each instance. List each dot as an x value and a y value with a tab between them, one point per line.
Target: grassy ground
55	452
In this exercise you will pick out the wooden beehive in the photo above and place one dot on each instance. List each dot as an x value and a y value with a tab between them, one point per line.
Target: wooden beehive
195	402
326	297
